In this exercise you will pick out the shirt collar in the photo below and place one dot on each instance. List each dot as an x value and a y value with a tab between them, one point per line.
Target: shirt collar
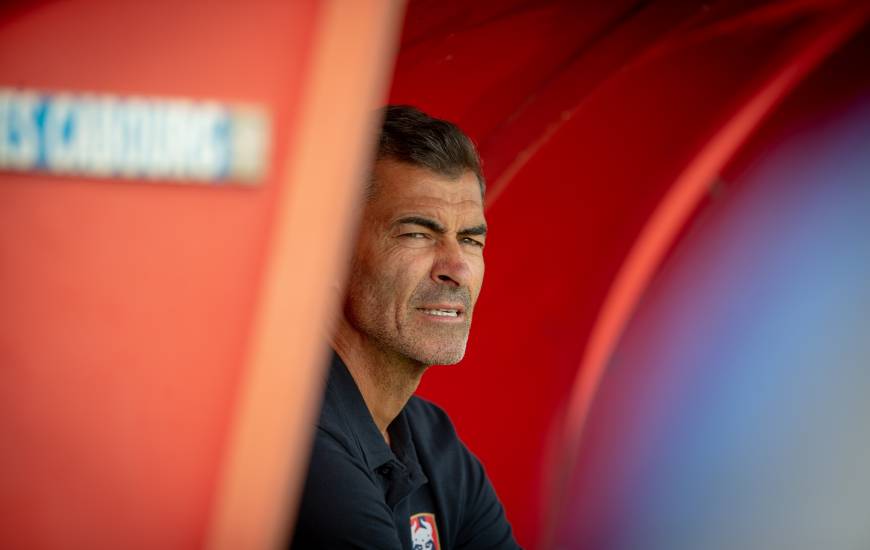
343	391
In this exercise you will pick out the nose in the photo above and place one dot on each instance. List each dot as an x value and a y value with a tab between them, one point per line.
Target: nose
451	266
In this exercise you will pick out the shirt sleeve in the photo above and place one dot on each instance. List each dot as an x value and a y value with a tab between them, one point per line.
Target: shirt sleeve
342	506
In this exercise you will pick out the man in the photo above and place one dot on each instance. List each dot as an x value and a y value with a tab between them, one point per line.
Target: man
387	469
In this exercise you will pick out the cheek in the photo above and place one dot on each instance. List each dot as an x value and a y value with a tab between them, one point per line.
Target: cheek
394	276
478	269
411	266
367	286
390	276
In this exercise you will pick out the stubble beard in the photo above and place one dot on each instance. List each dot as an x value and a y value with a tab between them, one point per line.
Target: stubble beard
409	337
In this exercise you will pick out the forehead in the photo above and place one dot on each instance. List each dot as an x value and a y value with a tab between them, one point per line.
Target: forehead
402	188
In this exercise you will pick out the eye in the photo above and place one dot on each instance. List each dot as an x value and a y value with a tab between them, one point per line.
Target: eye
472	242
414	236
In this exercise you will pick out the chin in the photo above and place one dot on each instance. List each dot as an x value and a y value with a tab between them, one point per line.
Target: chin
428	349
442	355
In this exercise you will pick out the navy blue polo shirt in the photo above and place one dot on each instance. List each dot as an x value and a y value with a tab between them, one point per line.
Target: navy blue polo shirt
424	491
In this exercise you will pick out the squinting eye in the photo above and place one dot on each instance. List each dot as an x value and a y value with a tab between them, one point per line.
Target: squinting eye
414	235
473	242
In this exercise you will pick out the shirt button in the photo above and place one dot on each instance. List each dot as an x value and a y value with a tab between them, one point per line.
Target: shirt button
385	470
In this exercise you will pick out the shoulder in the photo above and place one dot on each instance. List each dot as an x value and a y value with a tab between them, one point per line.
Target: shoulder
432	426
332	467
440	450
428	412
458	477
341	504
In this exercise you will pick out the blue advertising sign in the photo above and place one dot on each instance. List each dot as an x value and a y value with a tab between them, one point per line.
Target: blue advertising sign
132	137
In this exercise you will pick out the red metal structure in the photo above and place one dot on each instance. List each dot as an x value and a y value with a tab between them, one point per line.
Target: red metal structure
603	127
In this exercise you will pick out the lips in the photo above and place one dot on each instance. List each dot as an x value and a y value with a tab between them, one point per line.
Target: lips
443	303
447	311
441	312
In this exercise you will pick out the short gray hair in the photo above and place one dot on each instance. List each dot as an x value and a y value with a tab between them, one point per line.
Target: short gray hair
411	136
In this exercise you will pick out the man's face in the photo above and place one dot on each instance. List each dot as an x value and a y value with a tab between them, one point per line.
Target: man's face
418	265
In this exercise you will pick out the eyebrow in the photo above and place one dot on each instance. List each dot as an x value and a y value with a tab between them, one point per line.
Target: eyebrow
422	222
479	230
438	228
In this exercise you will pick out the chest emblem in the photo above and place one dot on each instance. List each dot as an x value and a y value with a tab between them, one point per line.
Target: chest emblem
424	532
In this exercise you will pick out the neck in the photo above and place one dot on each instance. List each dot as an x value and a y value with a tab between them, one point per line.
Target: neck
385	379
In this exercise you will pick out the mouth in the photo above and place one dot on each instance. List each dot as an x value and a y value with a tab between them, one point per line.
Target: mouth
446	312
